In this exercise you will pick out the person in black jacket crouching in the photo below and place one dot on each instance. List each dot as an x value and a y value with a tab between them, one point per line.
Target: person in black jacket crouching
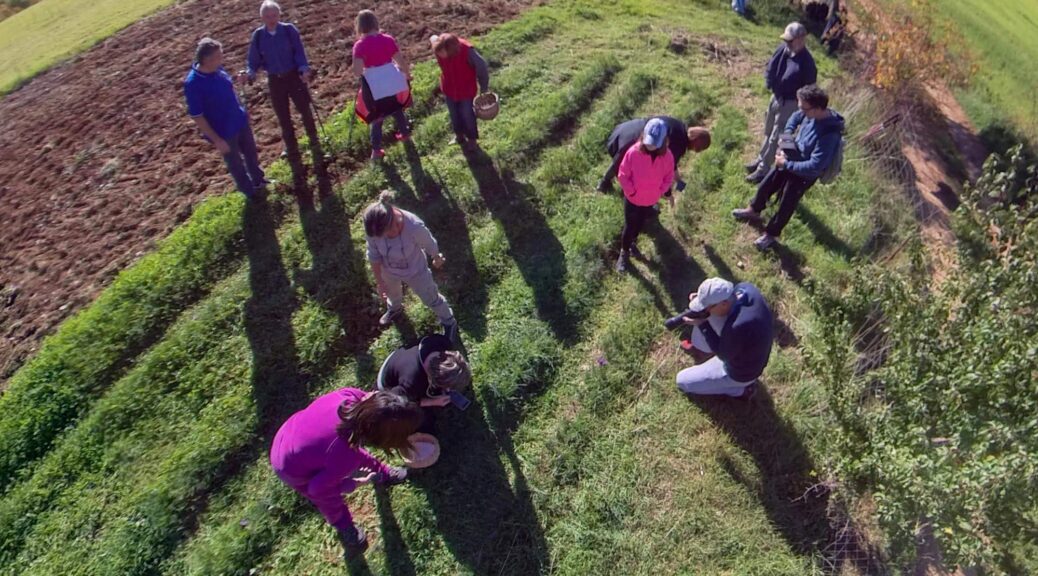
738	333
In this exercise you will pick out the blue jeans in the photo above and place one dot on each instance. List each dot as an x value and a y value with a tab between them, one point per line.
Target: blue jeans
463	118
243	162
376	129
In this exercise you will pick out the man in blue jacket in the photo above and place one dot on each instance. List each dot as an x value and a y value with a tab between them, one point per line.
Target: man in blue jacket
738	333
221	118
799	165
278	48
791	68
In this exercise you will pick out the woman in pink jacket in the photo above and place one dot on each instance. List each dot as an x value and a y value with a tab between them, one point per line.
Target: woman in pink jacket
646	175
318	452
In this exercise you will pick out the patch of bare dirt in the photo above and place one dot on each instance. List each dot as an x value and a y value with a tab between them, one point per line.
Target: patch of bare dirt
98	158
933	181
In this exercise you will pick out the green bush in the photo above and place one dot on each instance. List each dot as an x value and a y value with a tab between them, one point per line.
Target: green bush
934	387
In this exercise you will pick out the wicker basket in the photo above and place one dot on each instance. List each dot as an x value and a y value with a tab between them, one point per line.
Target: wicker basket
486	106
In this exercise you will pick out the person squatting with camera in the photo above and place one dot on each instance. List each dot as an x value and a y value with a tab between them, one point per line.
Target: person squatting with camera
731	336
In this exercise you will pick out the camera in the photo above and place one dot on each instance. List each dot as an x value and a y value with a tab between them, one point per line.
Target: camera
679	320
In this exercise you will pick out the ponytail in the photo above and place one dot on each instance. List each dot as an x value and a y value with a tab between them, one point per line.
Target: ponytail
379	215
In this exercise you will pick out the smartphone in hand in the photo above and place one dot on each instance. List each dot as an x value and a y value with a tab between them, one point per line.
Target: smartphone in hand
459	400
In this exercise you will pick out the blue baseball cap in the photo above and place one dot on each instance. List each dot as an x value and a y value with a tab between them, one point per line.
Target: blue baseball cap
655	133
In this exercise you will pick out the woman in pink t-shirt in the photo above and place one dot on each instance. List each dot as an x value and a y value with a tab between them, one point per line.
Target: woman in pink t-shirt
384	72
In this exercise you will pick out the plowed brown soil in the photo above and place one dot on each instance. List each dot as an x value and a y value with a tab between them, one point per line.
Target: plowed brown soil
98	159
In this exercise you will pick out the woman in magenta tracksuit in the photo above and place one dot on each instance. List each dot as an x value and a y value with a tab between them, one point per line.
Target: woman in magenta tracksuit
318	452
646	175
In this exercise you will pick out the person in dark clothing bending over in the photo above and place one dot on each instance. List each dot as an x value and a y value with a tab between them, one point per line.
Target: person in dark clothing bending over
277	48
426	373
791	68
680	139
799	163
738	334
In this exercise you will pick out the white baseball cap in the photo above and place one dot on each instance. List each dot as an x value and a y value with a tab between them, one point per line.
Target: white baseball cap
712	291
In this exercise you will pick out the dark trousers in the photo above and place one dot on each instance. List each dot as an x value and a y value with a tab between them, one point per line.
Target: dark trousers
284	88
401	126
635	218
791	187
243	162
463	118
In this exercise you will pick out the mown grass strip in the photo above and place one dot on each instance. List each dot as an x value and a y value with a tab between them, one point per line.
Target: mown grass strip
94	347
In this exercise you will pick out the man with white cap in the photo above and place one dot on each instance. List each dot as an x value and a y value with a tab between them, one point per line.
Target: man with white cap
791	68
738	333
646	175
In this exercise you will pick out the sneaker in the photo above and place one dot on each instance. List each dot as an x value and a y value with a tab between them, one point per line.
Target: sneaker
390	316
378	154
758	175
752	166
450	330
354	542
621	262
764	242
396	475
604	185
746	214
748	392
401	137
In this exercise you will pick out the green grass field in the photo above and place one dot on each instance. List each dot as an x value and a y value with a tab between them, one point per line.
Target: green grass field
1004	36
135	441
46	33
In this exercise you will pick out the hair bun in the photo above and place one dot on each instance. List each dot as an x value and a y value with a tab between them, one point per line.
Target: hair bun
386	196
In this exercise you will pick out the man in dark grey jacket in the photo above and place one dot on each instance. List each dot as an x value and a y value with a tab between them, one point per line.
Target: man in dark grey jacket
791	68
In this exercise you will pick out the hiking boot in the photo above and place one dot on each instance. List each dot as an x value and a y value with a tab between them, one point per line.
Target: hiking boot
758	175
450	330
390	316
354	542
752	166
604	185
746	215
396	475
622	262
765	242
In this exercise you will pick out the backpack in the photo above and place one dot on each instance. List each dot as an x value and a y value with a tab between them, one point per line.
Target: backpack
832	171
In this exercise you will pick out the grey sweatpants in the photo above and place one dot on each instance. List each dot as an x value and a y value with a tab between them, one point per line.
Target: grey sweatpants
775	120
710	377
424	286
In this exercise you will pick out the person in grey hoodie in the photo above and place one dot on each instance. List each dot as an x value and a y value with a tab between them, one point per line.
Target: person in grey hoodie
798	163
399	245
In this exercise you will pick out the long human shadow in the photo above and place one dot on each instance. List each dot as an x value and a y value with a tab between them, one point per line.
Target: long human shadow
488	526
461	280
824	234
531	242
794	502
398	557
277	384
338	282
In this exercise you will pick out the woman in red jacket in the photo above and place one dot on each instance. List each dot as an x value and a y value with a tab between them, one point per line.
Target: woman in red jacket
646	175
461	69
